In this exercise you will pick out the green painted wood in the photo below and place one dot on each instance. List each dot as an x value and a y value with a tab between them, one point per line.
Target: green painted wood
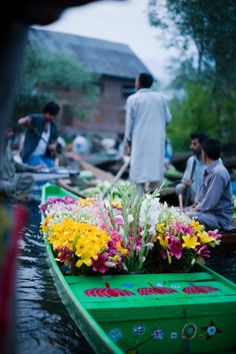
145	320
89	327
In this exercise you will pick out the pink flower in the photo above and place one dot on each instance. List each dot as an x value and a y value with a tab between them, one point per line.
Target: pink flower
65	255
175	247
163	253
215	234
183	229
204	252
99	264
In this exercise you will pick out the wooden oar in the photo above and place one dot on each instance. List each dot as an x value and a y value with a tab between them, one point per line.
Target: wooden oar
98	173
118	175
64	185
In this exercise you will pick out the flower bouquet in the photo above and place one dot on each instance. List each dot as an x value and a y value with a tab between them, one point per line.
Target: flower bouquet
128	234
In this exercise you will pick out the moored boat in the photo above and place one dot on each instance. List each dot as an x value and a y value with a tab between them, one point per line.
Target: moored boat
149	313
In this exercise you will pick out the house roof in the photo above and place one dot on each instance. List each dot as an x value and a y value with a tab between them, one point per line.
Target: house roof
99	56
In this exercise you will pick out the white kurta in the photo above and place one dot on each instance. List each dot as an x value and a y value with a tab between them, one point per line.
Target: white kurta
147	115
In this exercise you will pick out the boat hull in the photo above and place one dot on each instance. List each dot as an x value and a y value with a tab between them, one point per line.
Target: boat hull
150	313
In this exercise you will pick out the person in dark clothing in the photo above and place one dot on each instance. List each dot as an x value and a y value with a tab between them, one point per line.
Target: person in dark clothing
192	178
41	136
214	203
15	177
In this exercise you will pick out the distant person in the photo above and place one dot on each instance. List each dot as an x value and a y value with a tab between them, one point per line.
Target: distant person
192	178
214	202
168	151
96	144
14	181
40	141
147	116
120	145
81	145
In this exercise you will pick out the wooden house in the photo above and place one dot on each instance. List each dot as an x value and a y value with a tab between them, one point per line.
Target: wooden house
116	65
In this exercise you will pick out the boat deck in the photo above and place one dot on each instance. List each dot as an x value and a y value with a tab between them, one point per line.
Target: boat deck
153	290
143	311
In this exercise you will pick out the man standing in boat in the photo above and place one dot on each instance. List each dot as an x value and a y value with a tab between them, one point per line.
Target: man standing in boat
147	116
41	136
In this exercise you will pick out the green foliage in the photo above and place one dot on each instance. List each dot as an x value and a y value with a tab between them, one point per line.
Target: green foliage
205	90
196	107
211	25
48	76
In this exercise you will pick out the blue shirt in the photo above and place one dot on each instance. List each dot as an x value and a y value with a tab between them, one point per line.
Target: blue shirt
198	167
33	134
215	194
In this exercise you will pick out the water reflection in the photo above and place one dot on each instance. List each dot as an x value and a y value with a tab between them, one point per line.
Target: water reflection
223	261
43	324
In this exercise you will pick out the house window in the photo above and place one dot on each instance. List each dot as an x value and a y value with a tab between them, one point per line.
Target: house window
127	90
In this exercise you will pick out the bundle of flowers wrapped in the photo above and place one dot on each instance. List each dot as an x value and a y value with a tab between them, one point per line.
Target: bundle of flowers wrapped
129	234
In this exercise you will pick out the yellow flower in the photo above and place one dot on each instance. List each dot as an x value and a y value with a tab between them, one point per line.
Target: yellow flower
169	257
197	227
190	241
90	241
115	258
163	241
123	251
160	228
116	204
45	225
87	202
205	238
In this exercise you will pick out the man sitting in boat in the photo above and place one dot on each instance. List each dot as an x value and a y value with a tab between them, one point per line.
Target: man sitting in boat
14	182
214	202
192	178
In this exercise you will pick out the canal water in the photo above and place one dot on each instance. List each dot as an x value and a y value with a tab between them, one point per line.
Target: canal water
42	322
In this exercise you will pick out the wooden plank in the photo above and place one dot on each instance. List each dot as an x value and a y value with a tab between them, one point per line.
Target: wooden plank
70	189
228	238
98	173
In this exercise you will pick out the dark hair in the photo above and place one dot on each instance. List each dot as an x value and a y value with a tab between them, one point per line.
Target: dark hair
200	136
145	80
212	148
52	108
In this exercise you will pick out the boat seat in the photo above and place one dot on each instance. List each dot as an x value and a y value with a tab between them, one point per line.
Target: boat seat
228	237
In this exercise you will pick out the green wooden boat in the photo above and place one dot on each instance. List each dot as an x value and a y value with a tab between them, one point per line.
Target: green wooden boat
150	313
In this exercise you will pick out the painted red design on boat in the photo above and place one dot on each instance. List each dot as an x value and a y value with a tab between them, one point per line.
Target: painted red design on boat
155	290
195	289
107	292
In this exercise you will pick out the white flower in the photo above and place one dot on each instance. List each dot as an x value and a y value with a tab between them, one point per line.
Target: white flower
130	218
152	230
110	264
121	232
150	245
149	212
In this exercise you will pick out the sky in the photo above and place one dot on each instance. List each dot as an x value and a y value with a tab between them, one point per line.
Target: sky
124	22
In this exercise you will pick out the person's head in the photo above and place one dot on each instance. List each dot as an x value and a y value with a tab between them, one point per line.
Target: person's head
144	80
196	141
211	150
50	111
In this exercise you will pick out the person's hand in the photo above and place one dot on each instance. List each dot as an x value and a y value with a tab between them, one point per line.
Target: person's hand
188	182
38	167
127	148
52	147
193	208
